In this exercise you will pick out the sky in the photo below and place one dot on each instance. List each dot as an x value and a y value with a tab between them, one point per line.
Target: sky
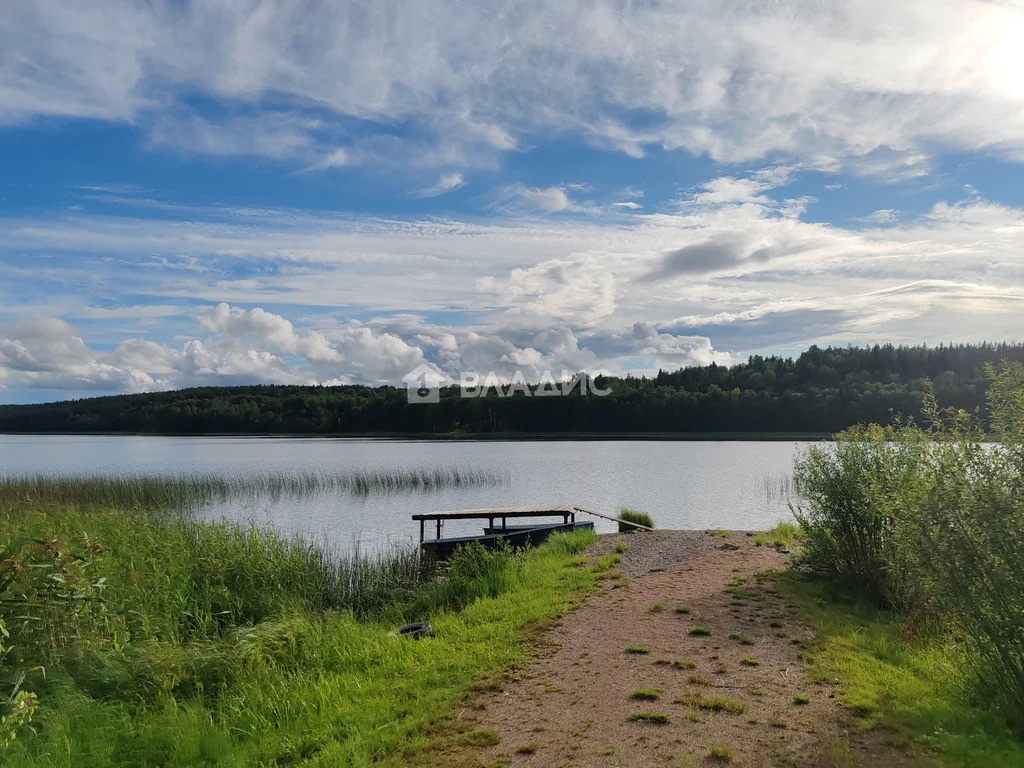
241	191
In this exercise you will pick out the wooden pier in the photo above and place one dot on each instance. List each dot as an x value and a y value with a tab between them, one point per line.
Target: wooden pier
516	535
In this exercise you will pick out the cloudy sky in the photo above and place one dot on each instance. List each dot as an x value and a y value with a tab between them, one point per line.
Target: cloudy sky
236	191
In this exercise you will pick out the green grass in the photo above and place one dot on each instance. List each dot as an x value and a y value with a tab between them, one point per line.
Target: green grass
527	749
627	515
720	533
607	561
656	608
742	639
655	718
919	689
700	631
682	609
801	700
784	535
647	694
638	649
482	738
750	661
621	547
712	703
720	754
228	643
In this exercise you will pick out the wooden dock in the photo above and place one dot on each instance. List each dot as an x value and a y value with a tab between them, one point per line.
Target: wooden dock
516	535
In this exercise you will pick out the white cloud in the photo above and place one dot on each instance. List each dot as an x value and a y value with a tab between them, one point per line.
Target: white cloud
873	85
881	216
520	198
280	289
447	183
335	158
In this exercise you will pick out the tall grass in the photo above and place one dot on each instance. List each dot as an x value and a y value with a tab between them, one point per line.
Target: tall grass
627	516
197	490
155	639
930	522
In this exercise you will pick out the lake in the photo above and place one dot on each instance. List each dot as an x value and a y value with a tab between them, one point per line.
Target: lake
684	484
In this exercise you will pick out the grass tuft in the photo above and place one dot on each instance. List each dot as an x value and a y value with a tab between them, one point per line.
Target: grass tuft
637	649
720	754
700	631
627	515
655	718
647	694
713	703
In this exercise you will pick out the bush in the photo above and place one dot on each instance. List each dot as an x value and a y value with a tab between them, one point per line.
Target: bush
853	491
633	516
930	522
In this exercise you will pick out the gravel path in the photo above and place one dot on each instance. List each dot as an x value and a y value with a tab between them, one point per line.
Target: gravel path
734	689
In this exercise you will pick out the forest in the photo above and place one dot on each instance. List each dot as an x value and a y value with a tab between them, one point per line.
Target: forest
823	390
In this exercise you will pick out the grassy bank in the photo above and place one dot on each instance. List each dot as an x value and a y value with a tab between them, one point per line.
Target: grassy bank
917	692
139	639
925	524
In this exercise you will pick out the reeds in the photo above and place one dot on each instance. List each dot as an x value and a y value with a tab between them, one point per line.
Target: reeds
199	490
778	486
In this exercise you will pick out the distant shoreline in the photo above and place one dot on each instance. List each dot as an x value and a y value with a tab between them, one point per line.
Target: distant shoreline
471	437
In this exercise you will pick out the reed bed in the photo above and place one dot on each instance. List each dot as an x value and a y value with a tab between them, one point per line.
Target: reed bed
199	490
778	486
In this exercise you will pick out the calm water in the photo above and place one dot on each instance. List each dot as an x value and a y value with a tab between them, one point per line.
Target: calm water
681	484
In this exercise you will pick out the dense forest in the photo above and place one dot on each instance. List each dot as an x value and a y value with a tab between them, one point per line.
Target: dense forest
822	390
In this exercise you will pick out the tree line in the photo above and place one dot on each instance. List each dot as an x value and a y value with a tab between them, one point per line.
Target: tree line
823	390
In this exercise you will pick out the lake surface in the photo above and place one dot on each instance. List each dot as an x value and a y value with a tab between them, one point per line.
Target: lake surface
686	484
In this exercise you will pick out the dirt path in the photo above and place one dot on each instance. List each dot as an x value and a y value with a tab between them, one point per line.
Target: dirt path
740	688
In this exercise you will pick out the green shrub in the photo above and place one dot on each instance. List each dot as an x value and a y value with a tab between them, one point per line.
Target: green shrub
930	522
633	516
852	491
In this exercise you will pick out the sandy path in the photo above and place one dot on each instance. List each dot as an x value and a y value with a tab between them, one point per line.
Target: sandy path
572	705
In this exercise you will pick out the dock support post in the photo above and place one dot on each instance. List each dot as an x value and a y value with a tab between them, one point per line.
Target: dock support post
439	528
421	532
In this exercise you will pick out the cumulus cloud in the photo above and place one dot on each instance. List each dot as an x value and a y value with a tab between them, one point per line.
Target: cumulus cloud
306	296
870	85
244	348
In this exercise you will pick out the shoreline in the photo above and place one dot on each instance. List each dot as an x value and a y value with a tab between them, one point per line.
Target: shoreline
468	437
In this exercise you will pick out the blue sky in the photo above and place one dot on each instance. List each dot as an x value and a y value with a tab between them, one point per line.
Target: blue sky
244	192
